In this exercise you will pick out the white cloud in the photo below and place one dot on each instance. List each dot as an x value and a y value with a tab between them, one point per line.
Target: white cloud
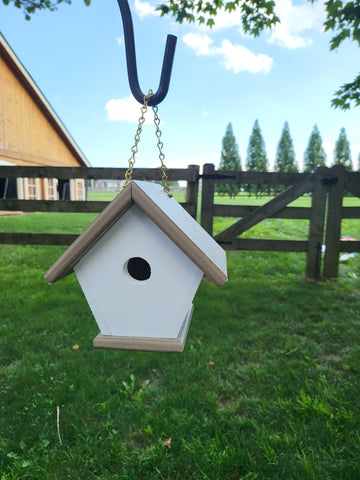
145	9
297	22
199	43
126	110
233	57
238	59
226	19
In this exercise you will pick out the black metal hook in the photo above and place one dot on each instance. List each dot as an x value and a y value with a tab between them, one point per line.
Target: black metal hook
131	60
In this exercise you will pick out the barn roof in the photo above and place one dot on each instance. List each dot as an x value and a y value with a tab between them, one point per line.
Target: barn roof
167	214
33	90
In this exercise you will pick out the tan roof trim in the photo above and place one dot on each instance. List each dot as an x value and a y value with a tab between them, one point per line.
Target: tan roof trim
132	194
27	81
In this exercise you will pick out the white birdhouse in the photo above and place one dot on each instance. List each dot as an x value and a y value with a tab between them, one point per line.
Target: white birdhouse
139	265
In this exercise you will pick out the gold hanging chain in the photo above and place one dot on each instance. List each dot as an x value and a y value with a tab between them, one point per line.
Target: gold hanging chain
160	145
134	148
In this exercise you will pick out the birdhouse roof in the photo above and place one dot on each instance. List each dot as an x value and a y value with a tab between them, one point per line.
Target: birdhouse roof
167	214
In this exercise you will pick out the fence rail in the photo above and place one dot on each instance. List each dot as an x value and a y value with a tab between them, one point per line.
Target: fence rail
326	187
92	206
189	174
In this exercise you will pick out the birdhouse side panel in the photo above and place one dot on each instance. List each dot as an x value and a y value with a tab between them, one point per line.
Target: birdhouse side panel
137	281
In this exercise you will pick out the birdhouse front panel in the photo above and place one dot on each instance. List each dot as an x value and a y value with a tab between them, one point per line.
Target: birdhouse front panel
137	281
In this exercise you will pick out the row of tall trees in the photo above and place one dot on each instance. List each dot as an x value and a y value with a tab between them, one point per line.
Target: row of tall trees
256	159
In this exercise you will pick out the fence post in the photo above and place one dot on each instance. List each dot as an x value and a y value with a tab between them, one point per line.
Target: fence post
192	190
333	223
207	198
316	225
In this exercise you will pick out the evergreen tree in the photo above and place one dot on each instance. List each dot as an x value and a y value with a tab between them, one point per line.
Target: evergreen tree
230	160
342	154
256	153
256	159
359	162
285	154
314	155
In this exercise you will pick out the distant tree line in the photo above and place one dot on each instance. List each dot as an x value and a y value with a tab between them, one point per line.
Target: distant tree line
285	161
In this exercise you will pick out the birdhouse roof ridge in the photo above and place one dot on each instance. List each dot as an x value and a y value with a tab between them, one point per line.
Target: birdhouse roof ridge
167	214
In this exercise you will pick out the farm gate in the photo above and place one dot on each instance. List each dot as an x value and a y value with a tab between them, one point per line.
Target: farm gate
326	186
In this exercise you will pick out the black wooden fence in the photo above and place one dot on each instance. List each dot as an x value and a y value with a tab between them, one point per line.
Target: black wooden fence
326	186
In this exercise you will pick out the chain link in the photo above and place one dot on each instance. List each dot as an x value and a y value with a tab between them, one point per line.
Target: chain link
160	145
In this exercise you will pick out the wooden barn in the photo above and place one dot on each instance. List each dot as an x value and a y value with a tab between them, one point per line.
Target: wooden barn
32	134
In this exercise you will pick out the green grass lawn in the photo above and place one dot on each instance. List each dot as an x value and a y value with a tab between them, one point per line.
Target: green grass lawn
267	386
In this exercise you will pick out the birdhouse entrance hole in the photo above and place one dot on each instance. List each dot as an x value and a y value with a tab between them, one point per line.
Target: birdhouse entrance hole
138	268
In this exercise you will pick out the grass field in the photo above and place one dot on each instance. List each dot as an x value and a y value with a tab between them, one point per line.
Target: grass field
267	386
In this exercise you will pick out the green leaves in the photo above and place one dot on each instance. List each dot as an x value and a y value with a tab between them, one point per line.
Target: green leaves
230	6
344	19
347	93
132	391
29	7
256	15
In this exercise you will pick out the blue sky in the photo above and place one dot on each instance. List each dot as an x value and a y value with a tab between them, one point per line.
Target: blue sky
76	56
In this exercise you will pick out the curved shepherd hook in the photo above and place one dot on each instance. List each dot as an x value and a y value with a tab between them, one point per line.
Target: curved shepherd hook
131	60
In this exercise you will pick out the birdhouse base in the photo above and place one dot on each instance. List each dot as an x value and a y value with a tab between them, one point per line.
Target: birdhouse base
148	344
